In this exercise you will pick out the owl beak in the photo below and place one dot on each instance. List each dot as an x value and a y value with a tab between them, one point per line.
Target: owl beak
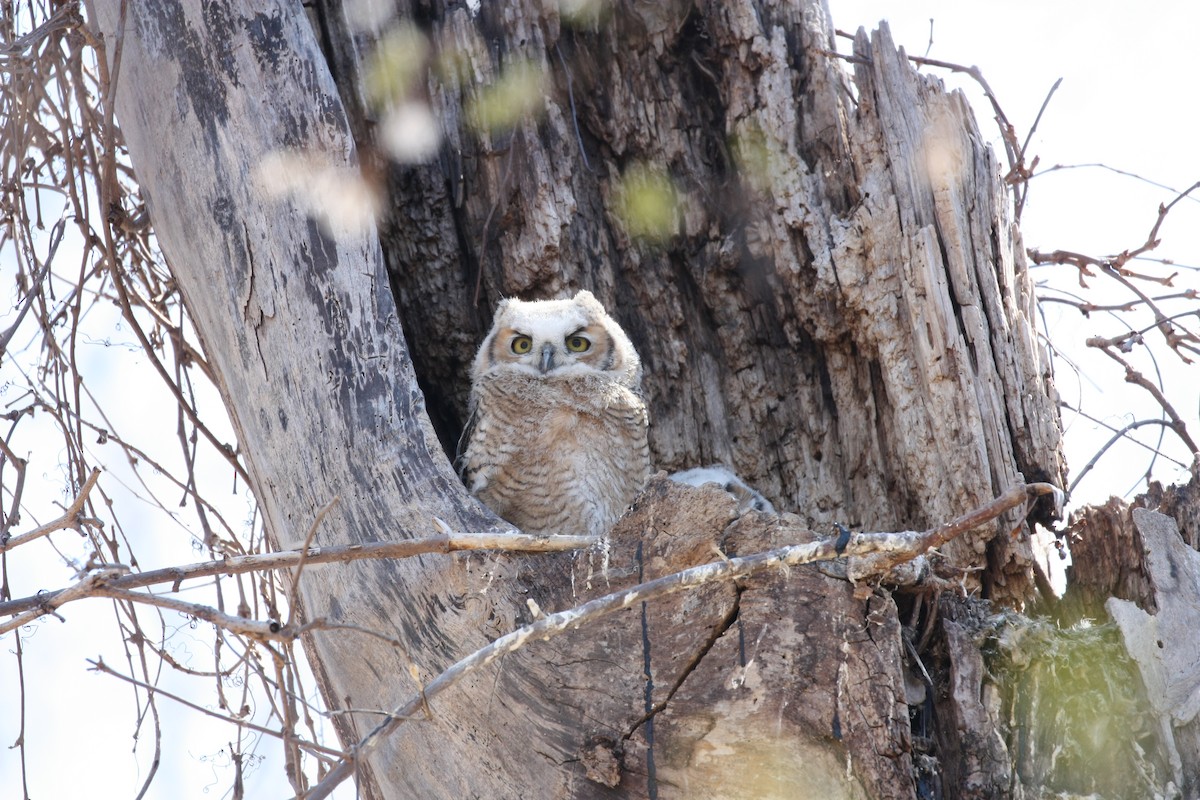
547	362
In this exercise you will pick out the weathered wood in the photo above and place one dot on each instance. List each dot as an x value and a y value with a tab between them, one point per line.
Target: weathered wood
1181	503
303	337
853	336
973	752
1164	643
1108	555
746	690
852	332
1083	710
1107	560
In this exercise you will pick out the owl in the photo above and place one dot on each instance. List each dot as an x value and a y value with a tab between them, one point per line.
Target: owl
556	440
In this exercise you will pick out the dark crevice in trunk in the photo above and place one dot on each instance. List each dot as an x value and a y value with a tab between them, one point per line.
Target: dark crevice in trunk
727	622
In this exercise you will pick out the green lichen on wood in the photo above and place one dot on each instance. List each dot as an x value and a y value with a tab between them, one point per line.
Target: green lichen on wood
1075	716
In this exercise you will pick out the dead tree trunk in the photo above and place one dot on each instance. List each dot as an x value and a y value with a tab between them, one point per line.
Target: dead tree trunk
853	333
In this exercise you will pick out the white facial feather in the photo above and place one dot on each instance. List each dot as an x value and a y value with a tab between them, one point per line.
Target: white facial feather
549	326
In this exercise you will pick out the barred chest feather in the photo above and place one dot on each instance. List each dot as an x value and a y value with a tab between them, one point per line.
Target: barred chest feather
560	455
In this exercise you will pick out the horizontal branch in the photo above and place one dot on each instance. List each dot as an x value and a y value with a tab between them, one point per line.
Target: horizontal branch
86	587
241	626
891	548
46	602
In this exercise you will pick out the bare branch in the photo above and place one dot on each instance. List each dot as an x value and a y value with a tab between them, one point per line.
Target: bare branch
1007	131
1116	264
86	587
1116	437
1018	172
64	18
253	629
1027	173
1133	376
324	752
304	549
55	238
1114	429
1152	241
516	542
12	517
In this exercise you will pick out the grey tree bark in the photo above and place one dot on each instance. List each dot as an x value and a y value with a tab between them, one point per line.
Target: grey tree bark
847	334
854	335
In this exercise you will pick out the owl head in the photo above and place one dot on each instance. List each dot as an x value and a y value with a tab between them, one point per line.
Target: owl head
558	338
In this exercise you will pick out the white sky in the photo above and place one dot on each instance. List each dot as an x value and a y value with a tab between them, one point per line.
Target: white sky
1126	100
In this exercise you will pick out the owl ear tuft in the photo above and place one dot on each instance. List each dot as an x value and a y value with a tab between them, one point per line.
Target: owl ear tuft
588	300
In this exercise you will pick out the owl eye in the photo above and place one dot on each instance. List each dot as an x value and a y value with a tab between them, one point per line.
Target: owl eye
578	344
522	345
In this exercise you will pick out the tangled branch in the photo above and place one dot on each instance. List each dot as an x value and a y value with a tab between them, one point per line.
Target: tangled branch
1175	332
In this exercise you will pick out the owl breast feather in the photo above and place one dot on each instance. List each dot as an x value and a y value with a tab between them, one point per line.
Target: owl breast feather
557	455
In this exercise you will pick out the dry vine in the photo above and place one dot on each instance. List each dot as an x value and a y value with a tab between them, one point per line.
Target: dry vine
94	304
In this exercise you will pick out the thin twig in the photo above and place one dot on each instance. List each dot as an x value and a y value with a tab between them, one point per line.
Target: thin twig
36	287
86	587
1007	131
14	515
1116	437
1114	429
253	629
64	18
1027	172
293	593
1014	151
69	519
1133	376
1121	172
318	750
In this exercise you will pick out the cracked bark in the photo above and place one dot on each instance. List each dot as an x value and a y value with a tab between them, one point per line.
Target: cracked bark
753	685
855	339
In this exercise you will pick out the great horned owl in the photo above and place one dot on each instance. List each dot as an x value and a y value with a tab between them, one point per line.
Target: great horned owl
557	433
